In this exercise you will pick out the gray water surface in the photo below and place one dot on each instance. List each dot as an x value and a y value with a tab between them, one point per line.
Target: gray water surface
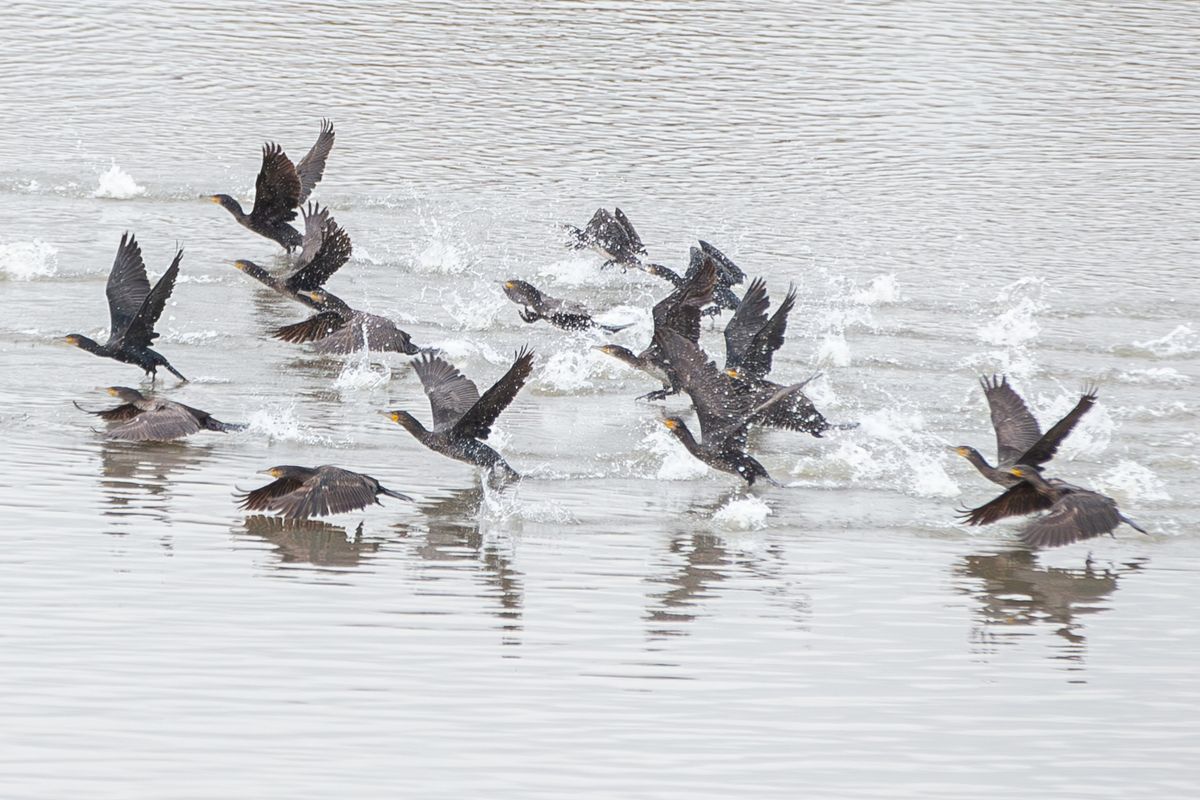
955	189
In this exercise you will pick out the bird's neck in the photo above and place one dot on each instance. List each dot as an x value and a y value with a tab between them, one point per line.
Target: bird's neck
978	461
684	435
84	343
411	424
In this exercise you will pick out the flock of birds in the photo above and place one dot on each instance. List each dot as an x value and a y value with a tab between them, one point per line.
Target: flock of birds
728	401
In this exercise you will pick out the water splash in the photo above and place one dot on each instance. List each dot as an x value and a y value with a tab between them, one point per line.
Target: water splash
675	462
118	184
1180	341
882	290
506	505
1131	482
361	373
280	423
24	261
1014	326
742	514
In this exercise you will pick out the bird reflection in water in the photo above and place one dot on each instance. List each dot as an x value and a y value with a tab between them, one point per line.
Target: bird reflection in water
1013	589
708	561
136	478
449	535
315	542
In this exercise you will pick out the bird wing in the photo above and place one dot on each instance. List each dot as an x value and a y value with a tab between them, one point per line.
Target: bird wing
119	413
312	166
1016	428
315	218
756	362
140	331
277	189
127	284
451	394
728	273
750	316
1079	514
335	250
477	422
162	423
1045	448
264	497
1016	501
315	327
679	311
634	240
718	404
382	335
330	491
793	411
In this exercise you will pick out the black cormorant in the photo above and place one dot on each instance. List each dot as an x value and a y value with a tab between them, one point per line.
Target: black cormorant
326	248
1019	438
155	419
303	492
1073	513
134	309
462	419
280	189
339	329
563	314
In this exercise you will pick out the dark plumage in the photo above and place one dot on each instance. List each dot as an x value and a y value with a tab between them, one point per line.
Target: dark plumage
280	189
561	313
611	235
679	312
155	419
723	412
751	339
303	492
1019	438
339	329
462	419
327	248
728	274
1073	513
134	309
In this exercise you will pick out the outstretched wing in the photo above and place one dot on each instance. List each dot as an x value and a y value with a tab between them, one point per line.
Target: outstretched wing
121	413
477	422
335	250
1078	515
160	424
728	273
1016	428
264	497
635	241
679	312
277	189
747	320
1044	448
1016	501
330	491
451	394
312	166
141	328
127	284
756	362
381	335
315	218
315	327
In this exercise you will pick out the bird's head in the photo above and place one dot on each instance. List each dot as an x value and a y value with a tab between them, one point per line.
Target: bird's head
225	201
734	373
618	352
1020	471
242	265
405	420
124	393
521	291
274	472
82	342
318	296
963	450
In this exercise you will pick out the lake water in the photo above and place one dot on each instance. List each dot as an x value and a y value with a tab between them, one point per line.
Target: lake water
955	189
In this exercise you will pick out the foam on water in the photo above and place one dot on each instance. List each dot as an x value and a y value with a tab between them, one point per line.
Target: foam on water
118	184
882	290
890	448
279	423
477	308
1130	482
506	505
1013	325
580	269
361	373
742	514
1163	375
576	371
190	337
442	257
24	261
675	463
1182	340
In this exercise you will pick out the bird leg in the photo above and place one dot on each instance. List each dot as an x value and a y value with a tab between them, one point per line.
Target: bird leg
657	394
